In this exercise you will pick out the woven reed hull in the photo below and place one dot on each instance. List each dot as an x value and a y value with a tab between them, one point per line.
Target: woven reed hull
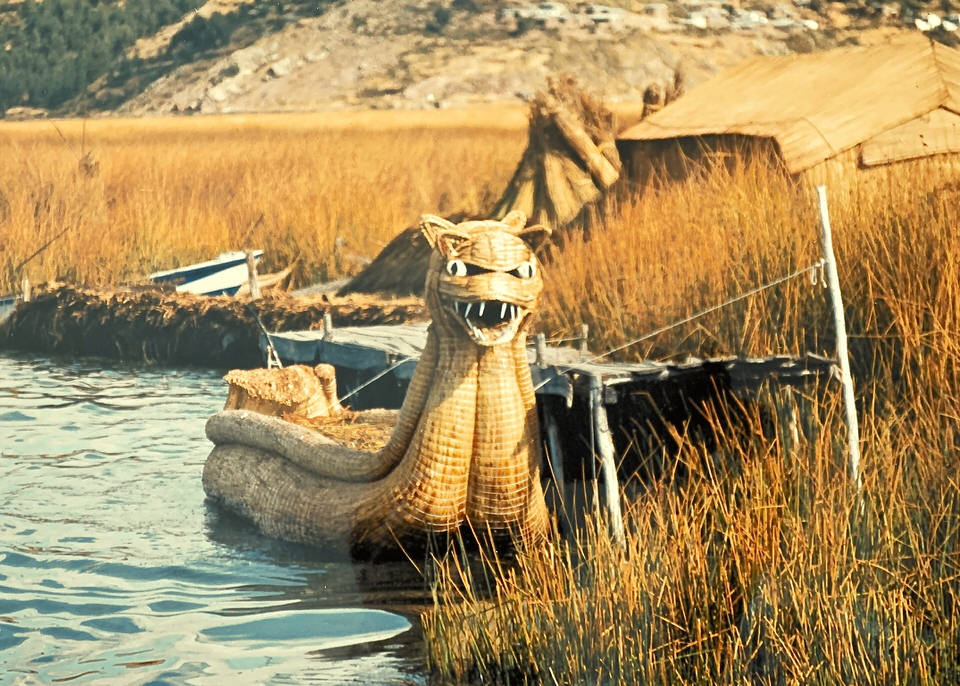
288	502
276	495
471	458
343	519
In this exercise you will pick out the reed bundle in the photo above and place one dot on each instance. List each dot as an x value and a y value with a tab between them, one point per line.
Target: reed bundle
359	430
305	391
570	160
569	163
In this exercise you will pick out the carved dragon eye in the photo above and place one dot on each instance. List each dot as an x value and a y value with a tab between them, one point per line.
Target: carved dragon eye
456	268
525	270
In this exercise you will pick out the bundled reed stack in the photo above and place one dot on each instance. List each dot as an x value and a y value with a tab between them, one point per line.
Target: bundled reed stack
307	396
571	158
569	164
152	325
307	391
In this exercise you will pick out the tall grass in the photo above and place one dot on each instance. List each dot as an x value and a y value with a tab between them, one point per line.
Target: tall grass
761	565
323	189
763	574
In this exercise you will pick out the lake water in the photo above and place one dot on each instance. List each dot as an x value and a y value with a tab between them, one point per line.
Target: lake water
113	568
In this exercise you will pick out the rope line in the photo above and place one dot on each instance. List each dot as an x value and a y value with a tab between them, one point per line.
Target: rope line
813	269
273	358
378	376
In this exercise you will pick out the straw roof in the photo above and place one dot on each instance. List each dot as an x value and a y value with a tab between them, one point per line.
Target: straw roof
816	105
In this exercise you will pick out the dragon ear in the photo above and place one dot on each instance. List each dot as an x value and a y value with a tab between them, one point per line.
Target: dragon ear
442	234
515	220
536	236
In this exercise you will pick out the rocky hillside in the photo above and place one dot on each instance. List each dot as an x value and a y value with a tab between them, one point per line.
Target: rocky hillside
253	55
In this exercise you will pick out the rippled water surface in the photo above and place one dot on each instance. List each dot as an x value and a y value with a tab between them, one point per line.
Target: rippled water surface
113	569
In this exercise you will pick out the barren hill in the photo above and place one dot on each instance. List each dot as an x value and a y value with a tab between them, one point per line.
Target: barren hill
295	56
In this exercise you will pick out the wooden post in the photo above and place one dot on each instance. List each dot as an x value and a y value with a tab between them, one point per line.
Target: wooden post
327	325
541	343
787	429
556	466
846	380
252	274
608	466
584	335
25	294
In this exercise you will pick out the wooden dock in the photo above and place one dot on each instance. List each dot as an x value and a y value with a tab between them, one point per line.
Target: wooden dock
602	423
361	353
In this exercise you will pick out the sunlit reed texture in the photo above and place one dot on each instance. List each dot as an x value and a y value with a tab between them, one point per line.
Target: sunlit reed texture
327	191
760	564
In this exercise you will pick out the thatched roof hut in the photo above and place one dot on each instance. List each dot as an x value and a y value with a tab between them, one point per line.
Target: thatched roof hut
858	108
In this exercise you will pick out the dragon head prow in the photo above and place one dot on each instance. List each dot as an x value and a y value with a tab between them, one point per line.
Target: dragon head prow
484	276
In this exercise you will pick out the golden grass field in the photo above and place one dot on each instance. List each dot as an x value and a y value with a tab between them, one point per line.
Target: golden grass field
175	191
768	573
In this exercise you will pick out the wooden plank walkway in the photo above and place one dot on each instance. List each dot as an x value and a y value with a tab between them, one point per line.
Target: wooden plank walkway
562	371
600	422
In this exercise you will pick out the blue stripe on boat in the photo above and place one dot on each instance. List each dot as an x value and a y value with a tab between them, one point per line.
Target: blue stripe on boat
200	270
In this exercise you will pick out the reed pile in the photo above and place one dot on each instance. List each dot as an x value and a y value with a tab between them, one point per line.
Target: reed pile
571	158
151	325
567	168
360	430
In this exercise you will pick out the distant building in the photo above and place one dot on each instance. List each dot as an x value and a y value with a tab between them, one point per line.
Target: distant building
819	114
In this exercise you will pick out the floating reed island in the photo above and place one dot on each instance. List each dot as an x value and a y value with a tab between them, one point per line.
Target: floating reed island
164	327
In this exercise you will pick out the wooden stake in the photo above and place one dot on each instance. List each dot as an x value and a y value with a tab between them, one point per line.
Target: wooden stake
584	337
787	429
252	274
846	380
327	325
608	466
25	294
541	347
556	466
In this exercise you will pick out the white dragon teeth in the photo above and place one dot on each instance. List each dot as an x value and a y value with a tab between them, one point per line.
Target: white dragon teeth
464	309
